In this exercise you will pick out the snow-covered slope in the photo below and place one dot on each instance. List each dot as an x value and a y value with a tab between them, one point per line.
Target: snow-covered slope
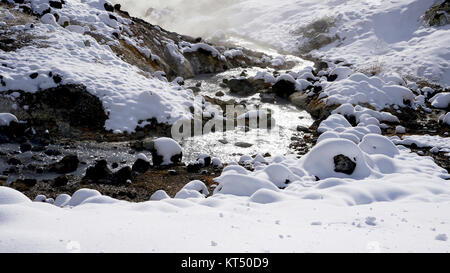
373	35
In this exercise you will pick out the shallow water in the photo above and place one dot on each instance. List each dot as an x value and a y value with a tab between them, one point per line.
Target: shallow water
274	141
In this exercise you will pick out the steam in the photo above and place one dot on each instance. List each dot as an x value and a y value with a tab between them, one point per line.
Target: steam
192	17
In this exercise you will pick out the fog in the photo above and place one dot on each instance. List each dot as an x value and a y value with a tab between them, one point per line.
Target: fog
193	17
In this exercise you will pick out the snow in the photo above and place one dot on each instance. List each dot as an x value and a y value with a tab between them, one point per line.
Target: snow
441	100
360	89
7	118
445	119
285	224
424	141
167	148
241	185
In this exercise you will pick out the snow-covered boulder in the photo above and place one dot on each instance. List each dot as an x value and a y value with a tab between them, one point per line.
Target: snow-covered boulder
7	118
82	195
325	160
441	100
242	185
10	196
159	195
376	144
185	194
445	119
165	151
278	174
61	200
265	196
198	186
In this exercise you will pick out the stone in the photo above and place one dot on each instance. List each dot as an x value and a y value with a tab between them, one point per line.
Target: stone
241	86
141	166
343	164
284	88
68	164
123	175
99	171
61	181
243	144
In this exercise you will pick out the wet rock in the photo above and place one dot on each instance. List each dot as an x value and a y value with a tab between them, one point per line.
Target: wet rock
284	88
141	166
241	87
243	144
61	181
68	164
303	129
267	97
14	161
108	7
99	171
220	94
55	4
343	164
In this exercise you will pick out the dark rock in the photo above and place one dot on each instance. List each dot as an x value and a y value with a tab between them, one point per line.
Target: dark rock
52	152
3	139
220	94
61	181
71	104
343	164
68	164
241	86
108	7
99	171
243	144
172	172
112	17
267	97
14	161
194	167
284	88
34	75
115	165
55	4
123	175
25	147
57	79
141	166
303	129
117	7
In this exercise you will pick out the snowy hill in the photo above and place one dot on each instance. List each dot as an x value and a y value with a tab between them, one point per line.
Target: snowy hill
391	36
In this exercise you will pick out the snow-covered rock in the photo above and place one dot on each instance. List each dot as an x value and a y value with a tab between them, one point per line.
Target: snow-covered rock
7	118
166	151
159	195
441	100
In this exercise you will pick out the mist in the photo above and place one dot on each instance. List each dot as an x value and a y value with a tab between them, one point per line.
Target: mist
192	17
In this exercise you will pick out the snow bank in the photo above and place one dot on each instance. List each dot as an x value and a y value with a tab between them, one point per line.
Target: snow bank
7	118
128	95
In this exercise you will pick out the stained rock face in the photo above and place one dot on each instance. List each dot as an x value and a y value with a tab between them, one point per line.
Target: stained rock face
343	164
